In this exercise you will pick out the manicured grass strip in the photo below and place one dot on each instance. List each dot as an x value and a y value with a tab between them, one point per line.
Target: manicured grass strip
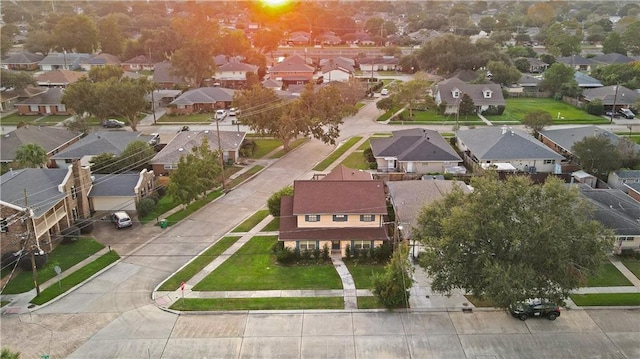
360	105
517	108
280	303
272	226
244	176
369	303
363	274
606	299
3	303
76	278
265	146
365	145
252	221
198	264
356	160
64	255
191	208
480	302
633	265
164	205
199	117
292	146
608	276
337	153
253	267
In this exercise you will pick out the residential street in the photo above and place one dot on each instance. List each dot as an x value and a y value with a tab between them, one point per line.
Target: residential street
114	316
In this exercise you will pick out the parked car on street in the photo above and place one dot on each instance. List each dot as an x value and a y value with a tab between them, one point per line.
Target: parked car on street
535	308
384	92
614	114
220	115
233	111
112	123
626	113
121	219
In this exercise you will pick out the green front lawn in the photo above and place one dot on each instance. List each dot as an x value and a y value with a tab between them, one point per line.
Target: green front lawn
64	255
356	160
15	118
195	118
517	108
272	226
192	207
363	274
279	303
292	146
264	146
165	204
76	278
633	265
369	303
607	299
337	153
198	264
244	176
608	276
252	221
253	267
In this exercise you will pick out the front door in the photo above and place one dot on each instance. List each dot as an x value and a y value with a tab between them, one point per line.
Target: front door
335	245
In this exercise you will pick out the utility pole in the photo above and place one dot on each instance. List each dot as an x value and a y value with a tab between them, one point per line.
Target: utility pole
220	153
27	222
615	99
153	105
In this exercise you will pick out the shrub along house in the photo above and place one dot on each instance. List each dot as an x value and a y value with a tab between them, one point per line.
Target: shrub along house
335	213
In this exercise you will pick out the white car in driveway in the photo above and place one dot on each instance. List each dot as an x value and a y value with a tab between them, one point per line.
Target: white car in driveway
220	115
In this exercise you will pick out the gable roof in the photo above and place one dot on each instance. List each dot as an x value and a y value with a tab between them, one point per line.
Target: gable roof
101	142
491	143
162	73
567	137
102	59
51	96
64	59
585	80
343	61
608	95
205	95
237	66
464	75
339	197
271	83
23	58
527	80
140	59
475	91
614	209
414	145
59	77
185	141
41	185
343	173
574	60
295	63
114	185
628	173
49	138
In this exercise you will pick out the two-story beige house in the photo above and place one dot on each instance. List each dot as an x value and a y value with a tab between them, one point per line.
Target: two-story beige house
335	213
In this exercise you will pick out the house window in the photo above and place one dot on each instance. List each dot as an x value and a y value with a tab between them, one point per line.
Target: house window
625	238
74	193
62	108
4	226
487	94
33	108
182	107
549	162
361	244
170	166
307	245
456	94
312	218
68	160
367	217
74	213
340	217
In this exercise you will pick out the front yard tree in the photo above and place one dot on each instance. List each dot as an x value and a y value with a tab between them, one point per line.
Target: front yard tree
503	74
537	120
75	33
196	174
613	43
127	97
273	203
411	92
392	287
556	76
16	79
466	106
511	241
597	155
136	156
109	35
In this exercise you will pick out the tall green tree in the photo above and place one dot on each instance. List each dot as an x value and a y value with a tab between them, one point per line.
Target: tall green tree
631	39
75	33
109	36
136	156
196	173
556	76
412	92
207	166
16	79
466	106
392	287
597	155
6	44
126	97
31	155
560	42
105	163
502	73
511	241
273	203
613	43
39	41
179	188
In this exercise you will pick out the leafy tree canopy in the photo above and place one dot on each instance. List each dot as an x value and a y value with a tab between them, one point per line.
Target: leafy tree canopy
597	155
31	155
273	203
537	120
16	79
511	241
75	33
392	287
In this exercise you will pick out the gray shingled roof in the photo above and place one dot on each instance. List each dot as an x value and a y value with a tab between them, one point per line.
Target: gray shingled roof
114	185
415	145
47	137
612	58
627	173
59	59
585	80
567	137
162	74
101	142
237	66
23	58
205	95
41	185
614	209
490	144
475	91
574	60
185	141
52	96
607	94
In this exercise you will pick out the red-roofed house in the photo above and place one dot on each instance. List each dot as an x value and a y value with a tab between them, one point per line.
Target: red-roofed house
138	63
334	213
58	78
293	70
